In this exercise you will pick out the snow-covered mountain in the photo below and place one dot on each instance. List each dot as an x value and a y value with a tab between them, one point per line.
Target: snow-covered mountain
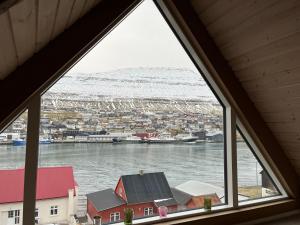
166	83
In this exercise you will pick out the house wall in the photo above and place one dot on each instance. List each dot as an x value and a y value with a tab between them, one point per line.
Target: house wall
66	208
120	190
105	214
198	201
4	208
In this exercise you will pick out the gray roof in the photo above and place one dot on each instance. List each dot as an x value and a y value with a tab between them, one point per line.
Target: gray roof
105	199
166	202
181	197
146	188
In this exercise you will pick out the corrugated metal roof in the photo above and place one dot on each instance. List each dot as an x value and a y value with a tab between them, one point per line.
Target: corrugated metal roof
105	199
181	197
166	202
146	188
197	188
52	182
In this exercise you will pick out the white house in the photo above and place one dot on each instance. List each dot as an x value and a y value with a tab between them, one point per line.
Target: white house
57	194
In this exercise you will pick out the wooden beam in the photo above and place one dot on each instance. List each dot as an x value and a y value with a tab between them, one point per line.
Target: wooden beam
235	94
42	69
32	157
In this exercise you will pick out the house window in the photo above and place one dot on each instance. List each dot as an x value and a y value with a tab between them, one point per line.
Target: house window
17	216
54	210
114	217
36	216
10	214
36	213
148	211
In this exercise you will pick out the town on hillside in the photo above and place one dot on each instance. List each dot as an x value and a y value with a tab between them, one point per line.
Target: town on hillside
122	120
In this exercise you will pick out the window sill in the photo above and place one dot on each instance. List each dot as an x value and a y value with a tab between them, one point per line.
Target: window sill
223	214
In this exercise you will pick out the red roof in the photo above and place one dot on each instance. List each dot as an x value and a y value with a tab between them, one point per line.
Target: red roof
52	182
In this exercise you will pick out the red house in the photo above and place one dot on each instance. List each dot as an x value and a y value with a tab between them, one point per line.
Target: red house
143	193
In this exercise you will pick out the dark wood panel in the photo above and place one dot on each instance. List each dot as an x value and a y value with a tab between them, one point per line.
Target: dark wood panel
274	49
286	93
262	33
262	18
202	5
76	11
47	11
217	10
6	4
281	117
8	55
23	19
62	16
268	67
242	11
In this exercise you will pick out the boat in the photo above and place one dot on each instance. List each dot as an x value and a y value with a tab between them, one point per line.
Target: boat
116	140
22	142
45	141
155	140
18	142
187	138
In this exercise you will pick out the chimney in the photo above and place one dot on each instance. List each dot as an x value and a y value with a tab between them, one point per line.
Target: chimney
141	172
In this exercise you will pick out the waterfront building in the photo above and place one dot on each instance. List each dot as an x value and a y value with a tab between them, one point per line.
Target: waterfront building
56	196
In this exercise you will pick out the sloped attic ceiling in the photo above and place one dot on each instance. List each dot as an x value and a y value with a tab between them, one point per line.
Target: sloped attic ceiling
28	25
43	57
261	42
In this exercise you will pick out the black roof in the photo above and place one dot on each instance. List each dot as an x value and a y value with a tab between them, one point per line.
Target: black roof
105	199
181	197
146	188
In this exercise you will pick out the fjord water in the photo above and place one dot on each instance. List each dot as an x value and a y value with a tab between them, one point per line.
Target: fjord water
99	166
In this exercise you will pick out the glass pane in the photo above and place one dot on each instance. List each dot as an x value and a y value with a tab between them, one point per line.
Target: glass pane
132	125
254	181
12	163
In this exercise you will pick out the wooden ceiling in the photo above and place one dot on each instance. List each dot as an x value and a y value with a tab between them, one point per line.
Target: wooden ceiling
27	26
261	42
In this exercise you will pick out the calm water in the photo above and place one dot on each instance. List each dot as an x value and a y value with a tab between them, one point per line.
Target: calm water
99	166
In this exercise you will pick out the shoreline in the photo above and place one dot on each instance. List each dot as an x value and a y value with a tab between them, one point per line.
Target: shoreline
117	143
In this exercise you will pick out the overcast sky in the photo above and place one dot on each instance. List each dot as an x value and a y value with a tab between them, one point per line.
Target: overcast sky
143	39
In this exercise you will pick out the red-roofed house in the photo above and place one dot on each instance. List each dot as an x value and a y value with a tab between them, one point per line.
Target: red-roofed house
56	195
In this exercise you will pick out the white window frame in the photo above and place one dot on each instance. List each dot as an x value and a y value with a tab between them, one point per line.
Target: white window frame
15	214
54	210
115	217
148	211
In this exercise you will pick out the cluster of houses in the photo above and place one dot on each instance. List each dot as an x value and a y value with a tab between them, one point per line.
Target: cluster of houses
146	116
144	193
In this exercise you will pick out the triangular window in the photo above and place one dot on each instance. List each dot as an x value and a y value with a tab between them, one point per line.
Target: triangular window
142	124
254	179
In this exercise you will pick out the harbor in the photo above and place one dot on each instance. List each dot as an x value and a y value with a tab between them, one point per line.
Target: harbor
98	166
